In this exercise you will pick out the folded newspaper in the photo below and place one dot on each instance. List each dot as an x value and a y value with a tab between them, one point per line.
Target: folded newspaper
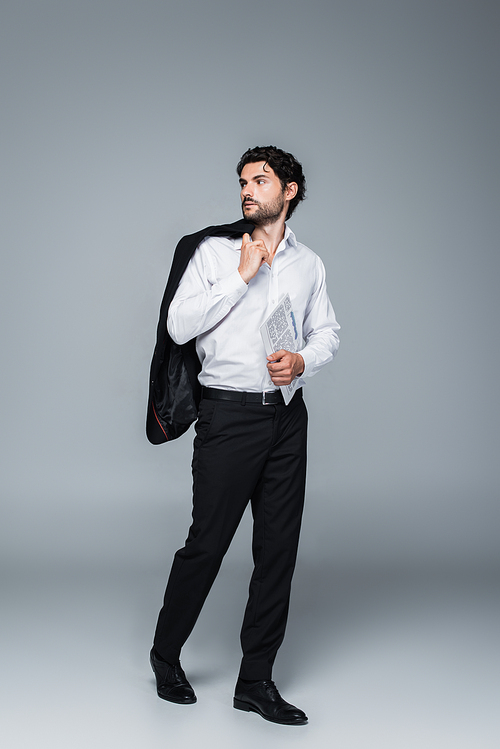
279	331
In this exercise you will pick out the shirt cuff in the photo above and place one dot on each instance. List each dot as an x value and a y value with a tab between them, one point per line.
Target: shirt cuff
233	286
309	358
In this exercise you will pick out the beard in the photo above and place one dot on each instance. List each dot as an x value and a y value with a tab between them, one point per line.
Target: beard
265	213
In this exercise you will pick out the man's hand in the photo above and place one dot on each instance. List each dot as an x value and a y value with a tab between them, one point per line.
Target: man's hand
284	366
253	254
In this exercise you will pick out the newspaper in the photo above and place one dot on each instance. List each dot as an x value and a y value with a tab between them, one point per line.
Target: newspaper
279	331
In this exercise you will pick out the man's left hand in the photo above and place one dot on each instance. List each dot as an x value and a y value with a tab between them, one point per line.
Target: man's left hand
284	366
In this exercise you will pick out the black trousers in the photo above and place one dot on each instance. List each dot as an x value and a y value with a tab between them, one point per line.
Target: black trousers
242	453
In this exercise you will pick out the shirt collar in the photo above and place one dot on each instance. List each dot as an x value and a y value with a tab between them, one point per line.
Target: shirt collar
289	239
290	236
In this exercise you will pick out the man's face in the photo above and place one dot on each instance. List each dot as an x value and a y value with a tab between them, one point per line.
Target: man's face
262	196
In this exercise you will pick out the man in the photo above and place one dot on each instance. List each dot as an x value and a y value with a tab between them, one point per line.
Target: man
249	445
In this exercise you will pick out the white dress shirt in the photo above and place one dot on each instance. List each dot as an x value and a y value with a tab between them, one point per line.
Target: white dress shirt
214	305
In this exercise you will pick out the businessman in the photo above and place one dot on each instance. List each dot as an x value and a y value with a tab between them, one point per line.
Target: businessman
249	446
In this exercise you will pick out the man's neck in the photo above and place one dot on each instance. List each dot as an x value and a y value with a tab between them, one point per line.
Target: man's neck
272	235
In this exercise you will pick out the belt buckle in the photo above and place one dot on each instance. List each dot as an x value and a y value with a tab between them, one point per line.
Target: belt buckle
264	401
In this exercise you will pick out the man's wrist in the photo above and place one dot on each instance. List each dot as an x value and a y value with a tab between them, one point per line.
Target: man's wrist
243	277
301	364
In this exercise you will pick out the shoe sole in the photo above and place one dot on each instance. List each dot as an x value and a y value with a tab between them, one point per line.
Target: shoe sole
176	702
246	707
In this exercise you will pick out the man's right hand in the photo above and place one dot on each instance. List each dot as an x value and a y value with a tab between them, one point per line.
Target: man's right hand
253	254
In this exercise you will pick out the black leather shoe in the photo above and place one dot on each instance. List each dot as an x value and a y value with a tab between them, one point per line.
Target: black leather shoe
171	682
263	698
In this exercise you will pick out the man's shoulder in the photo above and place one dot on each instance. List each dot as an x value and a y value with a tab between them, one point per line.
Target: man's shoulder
305	249
188	244
307	254
211	243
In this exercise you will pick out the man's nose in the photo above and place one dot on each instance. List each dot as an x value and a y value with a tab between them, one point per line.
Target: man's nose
247	192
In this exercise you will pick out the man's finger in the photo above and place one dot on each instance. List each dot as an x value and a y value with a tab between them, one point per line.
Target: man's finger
277	355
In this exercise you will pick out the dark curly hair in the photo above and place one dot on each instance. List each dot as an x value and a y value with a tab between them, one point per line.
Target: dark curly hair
284	165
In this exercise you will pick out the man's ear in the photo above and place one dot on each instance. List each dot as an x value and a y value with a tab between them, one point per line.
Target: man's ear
291	190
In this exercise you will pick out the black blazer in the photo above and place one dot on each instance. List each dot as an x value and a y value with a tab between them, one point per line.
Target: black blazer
174	390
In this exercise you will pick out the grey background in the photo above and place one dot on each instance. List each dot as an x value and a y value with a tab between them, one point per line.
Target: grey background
122	124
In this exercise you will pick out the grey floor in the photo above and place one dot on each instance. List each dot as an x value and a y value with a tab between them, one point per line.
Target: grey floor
395	659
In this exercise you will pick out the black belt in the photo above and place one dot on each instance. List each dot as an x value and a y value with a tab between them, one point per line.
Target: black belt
265	399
